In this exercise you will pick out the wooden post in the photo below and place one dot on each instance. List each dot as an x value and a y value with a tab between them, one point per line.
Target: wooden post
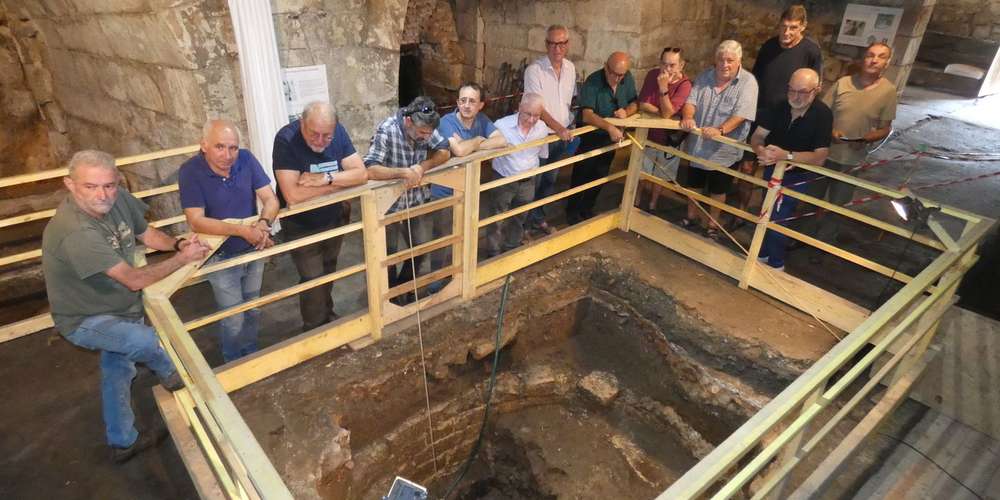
767	207
470	252
376	277
635	160
794	449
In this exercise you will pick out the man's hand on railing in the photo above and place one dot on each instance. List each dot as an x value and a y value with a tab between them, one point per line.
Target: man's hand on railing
688	124
711	132
193	250
621	113
615	133
565	134
412	176
313	179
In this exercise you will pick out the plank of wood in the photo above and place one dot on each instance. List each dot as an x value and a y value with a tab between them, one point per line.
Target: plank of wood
634	169
520	209
291	352
25	327
187	446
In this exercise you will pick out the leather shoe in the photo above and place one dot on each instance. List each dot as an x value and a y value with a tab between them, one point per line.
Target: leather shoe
144	442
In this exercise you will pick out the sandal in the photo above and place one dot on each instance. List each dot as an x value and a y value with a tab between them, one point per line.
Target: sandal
687	223
712	234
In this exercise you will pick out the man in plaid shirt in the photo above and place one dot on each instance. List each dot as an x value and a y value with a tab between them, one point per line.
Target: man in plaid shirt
405	146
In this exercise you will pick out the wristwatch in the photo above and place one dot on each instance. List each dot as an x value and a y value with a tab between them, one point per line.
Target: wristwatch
329	177
791	156
177	243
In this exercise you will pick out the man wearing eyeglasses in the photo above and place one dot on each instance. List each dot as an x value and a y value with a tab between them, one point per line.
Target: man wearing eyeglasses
777	59
554	78
797	129
607	92
313	157
519	128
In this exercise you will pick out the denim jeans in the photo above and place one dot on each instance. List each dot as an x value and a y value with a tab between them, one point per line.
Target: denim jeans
546	183
123	342
231	287
775	243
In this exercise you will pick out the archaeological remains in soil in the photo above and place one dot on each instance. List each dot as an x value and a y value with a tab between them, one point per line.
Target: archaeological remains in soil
606	388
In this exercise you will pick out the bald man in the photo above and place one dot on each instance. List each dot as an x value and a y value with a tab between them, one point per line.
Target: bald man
797	129
224	181
607	92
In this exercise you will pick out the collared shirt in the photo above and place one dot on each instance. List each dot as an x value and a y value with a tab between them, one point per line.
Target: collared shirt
525	159
78	249
712	108
597	95
234	196
809	132
292	153
392	148
556	90
677	92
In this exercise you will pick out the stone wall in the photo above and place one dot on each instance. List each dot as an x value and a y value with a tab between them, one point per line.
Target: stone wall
973	18
358	41
514	32
33	136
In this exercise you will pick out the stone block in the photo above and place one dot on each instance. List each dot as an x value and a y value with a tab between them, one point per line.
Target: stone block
905	49
914	21
600	386
981	32
296	58
600	44
610	16
288	32
149	39
106	7
292	6
385	23
85	36
182	95
17	104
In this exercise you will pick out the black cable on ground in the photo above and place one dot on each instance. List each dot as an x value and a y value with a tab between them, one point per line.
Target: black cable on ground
899	261
489	393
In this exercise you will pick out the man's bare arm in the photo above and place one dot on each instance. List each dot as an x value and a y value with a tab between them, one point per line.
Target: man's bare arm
137	278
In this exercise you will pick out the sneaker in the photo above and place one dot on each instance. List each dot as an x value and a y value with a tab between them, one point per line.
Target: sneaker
174	382
545	228
144	442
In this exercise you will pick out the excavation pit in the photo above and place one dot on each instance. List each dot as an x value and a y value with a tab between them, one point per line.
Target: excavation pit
608	386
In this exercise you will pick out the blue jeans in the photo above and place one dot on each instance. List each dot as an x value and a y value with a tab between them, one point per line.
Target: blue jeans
546	183
123	342
233	286
775	243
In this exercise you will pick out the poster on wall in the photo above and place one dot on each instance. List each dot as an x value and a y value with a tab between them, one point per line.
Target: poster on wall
867	24
303	85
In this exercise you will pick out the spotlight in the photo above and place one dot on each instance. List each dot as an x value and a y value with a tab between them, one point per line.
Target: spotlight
403	489
910	208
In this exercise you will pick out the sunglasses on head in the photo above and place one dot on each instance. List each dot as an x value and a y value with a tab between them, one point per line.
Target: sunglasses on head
672	49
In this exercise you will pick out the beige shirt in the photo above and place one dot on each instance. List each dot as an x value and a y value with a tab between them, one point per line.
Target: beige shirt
856	112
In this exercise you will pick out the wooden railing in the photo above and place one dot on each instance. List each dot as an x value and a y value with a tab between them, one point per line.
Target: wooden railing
225	459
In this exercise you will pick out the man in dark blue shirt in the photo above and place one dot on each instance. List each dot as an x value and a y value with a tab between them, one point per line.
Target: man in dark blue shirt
797	129
223	182
314	157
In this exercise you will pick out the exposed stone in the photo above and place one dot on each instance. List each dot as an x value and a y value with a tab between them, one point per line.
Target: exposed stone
601	386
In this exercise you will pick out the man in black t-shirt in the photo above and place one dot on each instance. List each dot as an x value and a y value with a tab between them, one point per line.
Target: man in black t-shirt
777	59
798	130
313	157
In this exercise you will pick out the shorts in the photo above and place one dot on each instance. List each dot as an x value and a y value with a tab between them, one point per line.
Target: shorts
712	181
660	164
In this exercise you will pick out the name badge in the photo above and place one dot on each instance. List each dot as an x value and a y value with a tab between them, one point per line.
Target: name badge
326	166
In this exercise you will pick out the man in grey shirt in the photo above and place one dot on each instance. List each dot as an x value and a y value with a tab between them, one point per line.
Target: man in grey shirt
722	102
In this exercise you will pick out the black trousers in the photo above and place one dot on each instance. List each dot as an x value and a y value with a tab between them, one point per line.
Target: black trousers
581	205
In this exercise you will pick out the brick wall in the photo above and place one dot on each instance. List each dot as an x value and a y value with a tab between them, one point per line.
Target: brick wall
973	18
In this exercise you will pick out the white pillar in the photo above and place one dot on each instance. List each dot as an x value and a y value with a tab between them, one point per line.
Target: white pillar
263	103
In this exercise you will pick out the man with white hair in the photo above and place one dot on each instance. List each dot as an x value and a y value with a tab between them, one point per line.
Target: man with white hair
313	157
722	102
524	126
95	288
222	182
798	129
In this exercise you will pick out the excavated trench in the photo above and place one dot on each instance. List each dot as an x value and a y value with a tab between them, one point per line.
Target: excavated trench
606	388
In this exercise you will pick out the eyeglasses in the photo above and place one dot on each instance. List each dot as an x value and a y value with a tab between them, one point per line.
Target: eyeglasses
672	49
468	100
559	45
801	93
617	76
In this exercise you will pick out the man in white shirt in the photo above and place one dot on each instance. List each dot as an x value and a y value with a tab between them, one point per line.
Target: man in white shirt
524	126
554	78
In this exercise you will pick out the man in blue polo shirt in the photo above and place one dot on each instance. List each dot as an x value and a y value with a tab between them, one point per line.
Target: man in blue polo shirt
314	157
223	182
797	129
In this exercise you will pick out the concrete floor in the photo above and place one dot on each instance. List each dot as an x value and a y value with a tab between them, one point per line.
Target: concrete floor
52	446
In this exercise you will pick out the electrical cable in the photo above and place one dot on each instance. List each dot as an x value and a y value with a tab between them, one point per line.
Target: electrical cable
489	392
420	331
899	261
931	460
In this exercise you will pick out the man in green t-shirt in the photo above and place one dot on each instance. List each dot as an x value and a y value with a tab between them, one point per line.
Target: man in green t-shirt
607	93
94	288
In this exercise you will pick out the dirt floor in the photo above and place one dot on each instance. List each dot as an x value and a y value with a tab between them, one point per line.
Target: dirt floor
53	404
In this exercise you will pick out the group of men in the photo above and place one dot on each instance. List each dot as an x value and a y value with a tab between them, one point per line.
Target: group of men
94	282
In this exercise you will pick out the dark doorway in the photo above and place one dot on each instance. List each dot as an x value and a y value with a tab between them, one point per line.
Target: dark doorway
411	75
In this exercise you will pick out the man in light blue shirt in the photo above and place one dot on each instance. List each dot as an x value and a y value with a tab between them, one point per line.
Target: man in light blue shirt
524	126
